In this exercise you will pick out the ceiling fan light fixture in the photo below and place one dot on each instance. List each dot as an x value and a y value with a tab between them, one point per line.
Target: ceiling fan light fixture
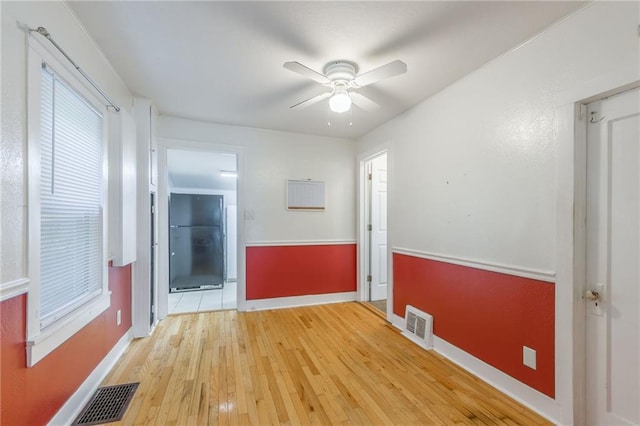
340	101
342	81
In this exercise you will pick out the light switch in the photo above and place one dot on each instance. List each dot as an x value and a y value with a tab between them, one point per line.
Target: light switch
529	357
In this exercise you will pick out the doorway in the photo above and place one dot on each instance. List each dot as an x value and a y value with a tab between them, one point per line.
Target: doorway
375	232
612	293
201	229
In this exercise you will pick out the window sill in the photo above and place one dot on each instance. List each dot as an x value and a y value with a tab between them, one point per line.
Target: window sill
56	334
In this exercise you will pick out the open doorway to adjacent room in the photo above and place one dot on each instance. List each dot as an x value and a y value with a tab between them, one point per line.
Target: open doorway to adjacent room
202	203
375	233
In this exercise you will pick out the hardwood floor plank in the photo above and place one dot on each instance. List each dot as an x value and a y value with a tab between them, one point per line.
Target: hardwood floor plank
320	365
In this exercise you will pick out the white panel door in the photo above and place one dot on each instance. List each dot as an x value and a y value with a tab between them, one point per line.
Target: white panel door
379	228
613	260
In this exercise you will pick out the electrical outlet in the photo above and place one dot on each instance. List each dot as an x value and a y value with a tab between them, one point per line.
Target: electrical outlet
529	357
118	317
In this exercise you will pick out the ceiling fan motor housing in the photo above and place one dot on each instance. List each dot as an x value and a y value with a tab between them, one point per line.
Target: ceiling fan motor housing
340	71
341	78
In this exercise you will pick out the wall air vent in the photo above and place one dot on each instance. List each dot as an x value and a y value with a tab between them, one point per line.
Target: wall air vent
418	327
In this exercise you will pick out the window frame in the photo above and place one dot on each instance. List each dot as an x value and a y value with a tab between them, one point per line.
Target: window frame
42	341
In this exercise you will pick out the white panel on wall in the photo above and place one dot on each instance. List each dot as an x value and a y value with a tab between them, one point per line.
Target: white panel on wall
153	148
122	188
305	195
143	274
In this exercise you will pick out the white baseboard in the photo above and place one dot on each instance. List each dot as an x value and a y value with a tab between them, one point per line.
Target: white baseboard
298	301
70	410
527	396
397	321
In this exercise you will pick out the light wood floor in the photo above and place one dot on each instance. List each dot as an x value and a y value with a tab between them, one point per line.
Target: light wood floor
331	364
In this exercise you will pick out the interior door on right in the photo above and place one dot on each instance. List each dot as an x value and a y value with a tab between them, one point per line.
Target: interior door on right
613	260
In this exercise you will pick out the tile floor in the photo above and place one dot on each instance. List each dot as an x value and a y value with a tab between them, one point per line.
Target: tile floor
205	300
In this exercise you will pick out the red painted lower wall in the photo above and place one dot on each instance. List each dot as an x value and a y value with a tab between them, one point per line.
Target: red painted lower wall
32	396
487	314
282	271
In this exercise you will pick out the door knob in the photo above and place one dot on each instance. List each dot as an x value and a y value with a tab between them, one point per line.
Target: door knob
595	297
592	295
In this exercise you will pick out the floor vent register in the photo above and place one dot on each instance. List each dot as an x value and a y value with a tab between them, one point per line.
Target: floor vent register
108	404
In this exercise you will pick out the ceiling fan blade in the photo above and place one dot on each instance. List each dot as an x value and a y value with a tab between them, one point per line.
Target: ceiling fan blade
304	71
391	69
311	101
363	102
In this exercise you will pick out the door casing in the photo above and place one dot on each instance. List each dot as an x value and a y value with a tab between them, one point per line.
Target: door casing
164	144
377	259
362	222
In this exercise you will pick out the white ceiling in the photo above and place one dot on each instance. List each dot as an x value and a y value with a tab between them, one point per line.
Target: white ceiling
222	61
200	170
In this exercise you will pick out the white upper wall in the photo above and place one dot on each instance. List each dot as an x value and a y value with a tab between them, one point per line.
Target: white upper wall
474	168
68	33
188	169
272	157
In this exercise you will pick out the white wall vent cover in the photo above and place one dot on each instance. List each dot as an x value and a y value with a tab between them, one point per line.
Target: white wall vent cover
418	327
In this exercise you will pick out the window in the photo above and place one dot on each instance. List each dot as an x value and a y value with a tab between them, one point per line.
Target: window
66	203
70	200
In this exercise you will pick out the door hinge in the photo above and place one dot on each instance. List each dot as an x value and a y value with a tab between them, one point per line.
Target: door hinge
369	228
369	176
369	278
582	112
153	209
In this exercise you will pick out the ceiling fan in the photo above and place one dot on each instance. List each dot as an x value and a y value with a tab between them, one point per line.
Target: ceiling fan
342	81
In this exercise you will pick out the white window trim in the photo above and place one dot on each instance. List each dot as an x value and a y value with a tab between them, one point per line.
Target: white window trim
41	342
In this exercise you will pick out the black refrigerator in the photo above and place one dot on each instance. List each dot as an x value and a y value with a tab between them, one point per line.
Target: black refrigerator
196	242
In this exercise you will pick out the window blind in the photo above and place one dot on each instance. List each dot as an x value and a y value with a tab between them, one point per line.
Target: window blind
70	200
